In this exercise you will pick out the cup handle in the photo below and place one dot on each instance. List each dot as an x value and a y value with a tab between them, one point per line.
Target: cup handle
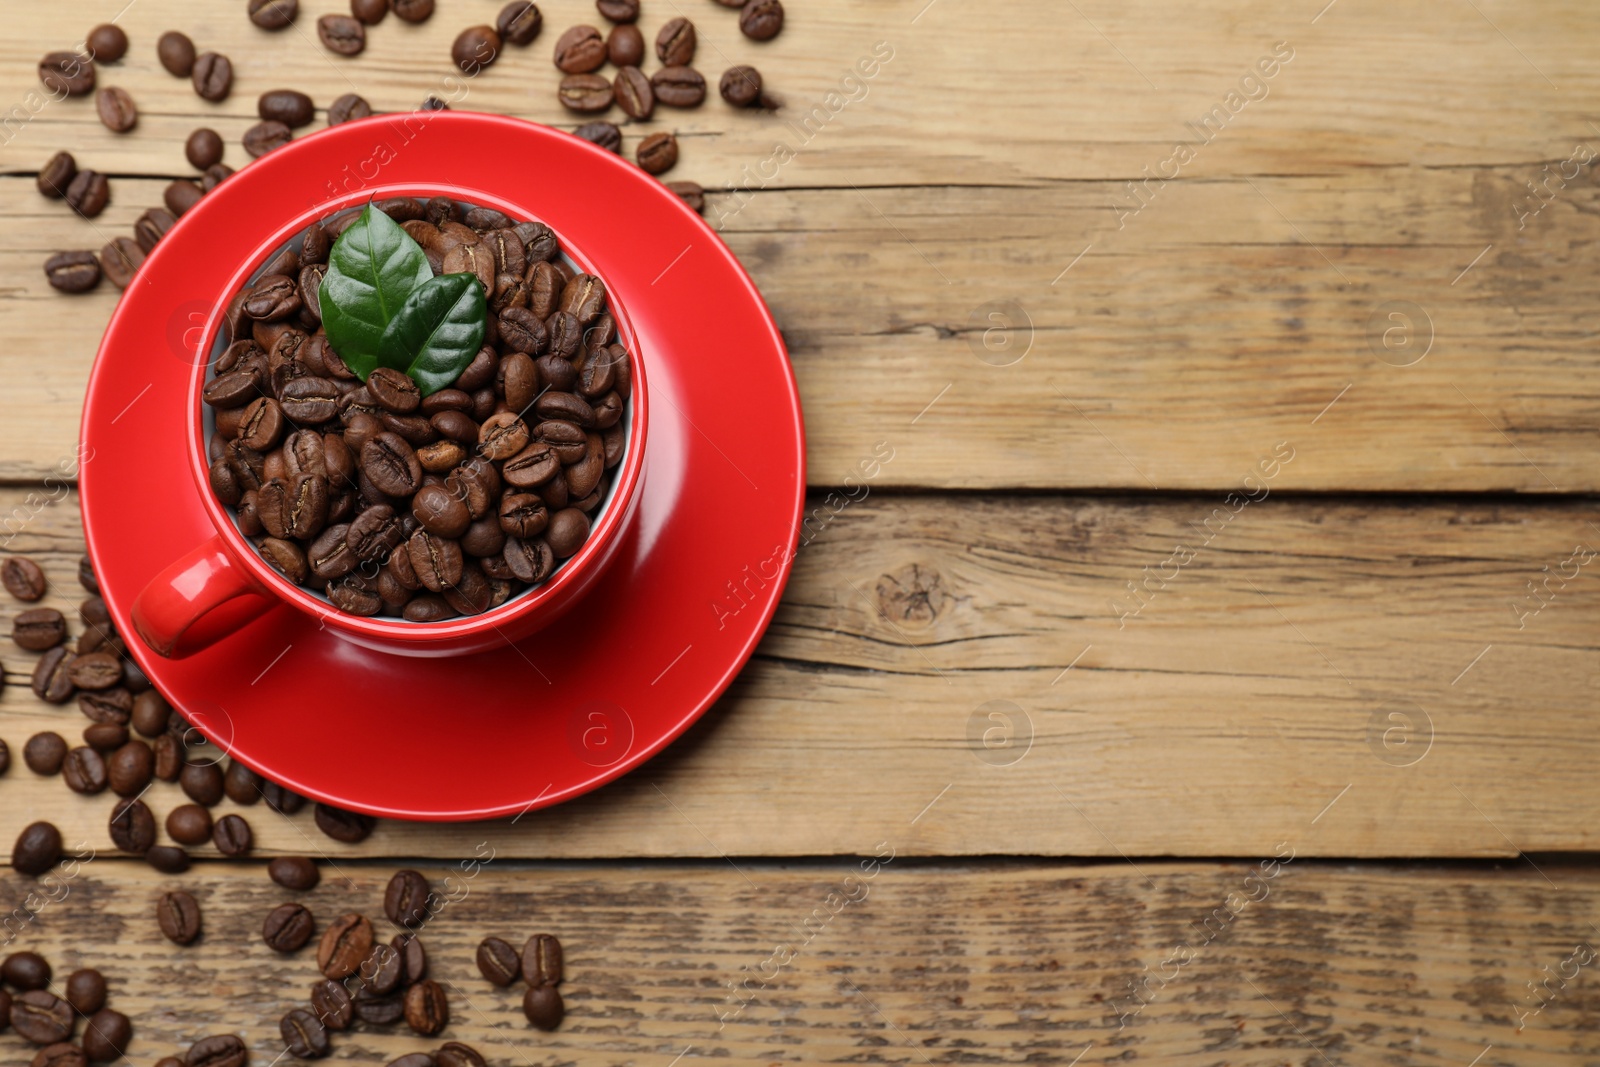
168	614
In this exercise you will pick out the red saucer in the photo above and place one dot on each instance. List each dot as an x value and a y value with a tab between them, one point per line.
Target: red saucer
666	628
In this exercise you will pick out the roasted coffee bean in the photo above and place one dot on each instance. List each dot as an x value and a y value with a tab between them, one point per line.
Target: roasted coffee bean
86	990
679	86
212	76
760	20
436	561
241	784
84	771
56	175
633	93
625	45
273	14
501	437
541	960
455	1054
132	826
263	137
543	1007
427	607
42	1017
415	1059
584	298
412	10
332	1003
580	50
26	970
202	783
286	557
475	47
288	927
741	86
413	957
342	34
585	93
178	914
105	737
426	1008
440	513
72	272
347	826
690	193
168	757
529	561
391	465
203	148
310	400
189	824
618	10
116	109
37	849
61	1054
176	53
44	753
657	153
281	800
288	106
232	836
223	1050
106	1035
120	259
303	1034
344	945
130	768
395	390
484	538
568	529
181	195
676	42
114	705
348	107
89	193
52	677
97	670
498	961
382	971
293	872
519	22
150	713
441	456
107	43
604	134
376	1010
370	12
523	515
67	73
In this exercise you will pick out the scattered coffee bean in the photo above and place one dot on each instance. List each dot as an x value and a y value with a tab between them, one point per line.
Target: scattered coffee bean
26	970
413	958
740	86
181	195
86	991
679	86
304	1035
42	1017
116	109
344	945
657	153
427	1010
585	93
56	175
133	826
151	713
288	927
214	176
412	10
107	43
97	670
676	42
178	914
288	106
38	849
332	1003
634	94
61	1054
580	50
415	1059
625	45
38	629
347	826
294	872
85	771
130	768
202	782
370	12
105	737
273	14
475	48
541	960
241	784
223	1050
106	1035
67	73
519	22
690	193
263	137
176	53
44	753
203	149
347	107
72	272
189	824
281	800
167	859
618	10
498	961
232	836
543	1007
405	901
120	259
52	678
342	34
455	1054
89	193
760	20
212	76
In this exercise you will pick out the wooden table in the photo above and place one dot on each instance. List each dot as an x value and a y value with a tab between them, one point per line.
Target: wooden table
1237	364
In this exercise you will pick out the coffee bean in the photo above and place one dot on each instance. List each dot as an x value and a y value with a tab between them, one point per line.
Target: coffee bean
348	107
412	10
625	45
281	800
120	260
415	1059
44	753
203	148
293	872
241	784
56	175
52	677
658	152
634	94
273	14
189	824
426	1007
132	826
150	713
342	34
232	836
760	20
568	529
5	756
378	1010
390	462
287	928
181	195
413	958
106	1035
498	961
541	960
675	43
263	137
347	826
529	561
178	914
116	109
580	50
690	193
212	76
107	43
26	970
130	768
223	1050
519	22
38	848
405	901
394	390
679	86
176	53
381	971
42	1017
67	73
542	1005
344	945
84	771
370	12
332	1003
475	47
97	670
740	86
303	1035
72	272
585	93
86	991
61	1054
202	783
105	737
288	106
89	193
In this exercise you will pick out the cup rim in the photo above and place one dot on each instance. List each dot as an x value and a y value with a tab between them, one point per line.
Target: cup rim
570	573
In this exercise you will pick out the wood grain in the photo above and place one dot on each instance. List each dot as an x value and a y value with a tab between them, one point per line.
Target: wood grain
985	963
1353	656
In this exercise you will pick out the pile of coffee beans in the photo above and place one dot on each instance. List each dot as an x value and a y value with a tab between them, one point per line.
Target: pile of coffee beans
538	964
422	508
50	1022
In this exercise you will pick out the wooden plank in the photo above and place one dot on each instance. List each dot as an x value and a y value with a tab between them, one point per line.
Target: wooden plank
1350	668
930	964
1174	357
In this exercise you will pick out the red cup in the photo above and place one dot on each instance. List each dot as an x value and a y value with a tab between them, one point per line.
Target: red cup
218	586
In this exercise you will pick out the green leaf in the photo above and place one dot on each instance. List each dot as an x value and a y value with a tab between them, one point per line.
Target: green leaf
438	331
373	268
